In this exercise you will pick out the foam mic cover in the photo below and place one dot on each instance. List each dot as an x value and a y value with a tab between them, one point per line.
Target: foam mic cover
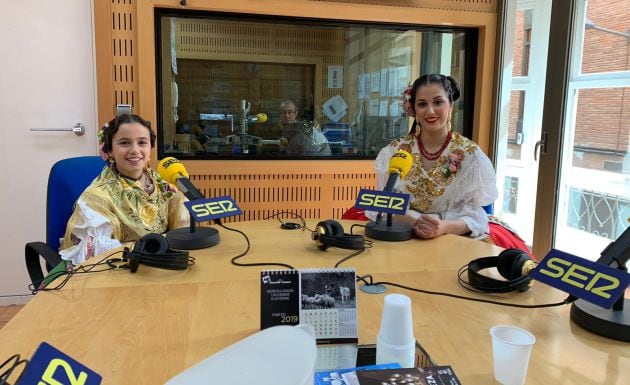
261	118
171	169
400	163
174	172
399	166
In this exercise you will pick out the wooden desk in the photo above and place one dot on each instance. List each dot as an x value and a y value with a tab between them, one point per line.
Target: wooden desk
144	328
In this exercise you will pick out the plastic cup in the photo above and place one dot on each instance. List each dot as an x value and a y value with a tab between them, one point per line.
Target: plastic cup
395	341
511	349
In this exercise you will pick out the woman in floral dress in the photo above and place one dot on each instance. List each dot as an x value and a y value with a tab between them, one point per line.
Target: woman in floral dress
450	179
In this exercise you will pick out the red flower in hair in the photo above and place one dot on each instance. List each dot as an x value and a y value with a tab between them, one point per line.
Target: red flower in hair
407	104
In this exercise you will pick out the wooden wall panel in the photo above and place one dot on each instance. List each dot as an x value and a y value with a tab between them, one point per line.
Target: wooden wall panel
116	55
302	187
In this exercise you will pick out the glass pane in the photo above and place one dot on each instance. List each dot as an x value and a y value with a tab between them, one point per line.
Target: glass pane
515	128
606	36
235	87
510	194
595	179
522	43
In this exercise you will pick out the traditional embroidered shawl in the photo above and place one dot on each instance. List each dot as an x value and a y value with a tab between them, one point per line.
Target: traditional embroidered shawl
461	181
115	208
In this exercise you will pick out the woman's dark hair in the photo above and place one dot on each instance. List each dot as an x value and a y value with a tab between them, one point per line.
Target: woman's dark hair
112	128
448	84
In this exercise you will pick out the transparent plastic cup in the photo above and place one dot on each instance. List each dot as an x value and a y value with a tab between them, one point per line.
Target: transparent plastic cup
511	349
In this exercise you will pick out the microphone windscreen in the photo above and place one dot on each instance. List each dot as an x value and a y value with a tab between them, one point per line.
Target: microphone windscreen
400	163
170	169
261	118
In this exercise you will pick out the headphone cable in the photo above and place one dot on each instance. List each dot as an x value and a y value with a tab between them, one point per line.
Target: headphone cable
457	296
367	244
234	260
11	366
303	225
81	269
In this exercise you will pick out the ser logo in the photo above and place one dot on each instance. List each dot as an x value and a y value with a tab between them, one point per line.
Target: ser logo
591	281
381	201
169	162
48	378
212	208
50	366
400	154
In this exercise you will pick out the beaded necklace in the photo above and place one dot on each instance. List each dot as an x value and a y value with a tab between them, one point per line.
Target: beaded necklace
433	155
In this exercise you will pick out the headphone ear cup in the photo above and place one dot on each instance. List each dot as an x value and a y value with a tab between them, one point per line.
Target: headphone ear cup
151	243
321	231
336	229
133	261
510	263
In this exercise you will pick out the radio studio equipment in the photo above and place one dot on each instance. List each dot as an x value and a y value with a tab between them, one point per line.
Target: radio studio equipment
330	233
613	322
399	165
193	237
154	250
513	264
242	141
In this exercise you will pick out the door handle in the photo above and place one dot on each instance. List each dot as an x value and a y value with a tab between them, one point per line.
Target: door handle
542	145
78	129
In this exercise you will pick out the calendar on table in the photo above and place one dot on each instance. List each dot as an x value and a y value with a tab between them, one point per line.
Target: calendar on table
322	298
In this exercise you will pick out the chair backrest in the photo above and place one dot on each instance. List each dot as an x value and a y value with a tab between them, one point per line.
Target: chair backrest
489	209
68	178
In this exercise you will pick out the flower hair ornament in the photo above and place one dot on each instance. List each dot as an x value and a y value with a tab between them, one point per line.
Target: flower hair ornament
407	104
101	142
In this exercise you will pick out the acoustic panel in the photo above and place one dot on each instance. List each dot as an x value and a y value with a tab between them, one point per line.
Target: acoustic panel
311	195
124	61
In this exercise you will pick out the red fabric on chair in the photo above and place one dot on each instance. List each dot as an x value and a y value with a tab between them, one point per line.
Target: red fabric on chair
354	214
504	237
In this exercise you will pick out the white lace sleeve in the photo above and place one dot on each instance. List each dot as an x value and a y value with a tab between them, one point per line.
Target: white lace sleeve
473	188
94	232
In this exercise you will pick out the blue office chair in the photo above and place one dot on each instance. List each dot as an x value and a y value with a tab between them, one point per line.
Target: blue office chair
68	178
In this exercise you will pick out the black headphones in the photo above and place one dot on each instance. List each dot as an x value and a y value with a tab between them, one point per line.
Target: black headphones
330	234
153	250
513	264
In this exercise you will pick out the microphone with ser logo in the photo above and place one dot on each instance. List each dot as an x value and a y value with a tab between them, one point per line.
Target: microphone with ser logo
193	237
399	166
174	172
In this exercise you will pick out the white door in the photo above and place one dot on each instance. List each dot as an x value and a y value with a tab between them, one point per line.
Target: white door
47	80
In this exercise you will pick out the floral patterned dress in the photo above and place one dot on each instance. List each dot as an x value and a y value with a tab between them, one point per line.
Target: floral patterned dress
457	186
114	209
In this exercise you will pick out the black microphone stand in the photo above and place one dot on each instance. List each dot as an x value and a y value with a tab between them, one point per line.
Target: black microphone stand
193	237
390	231
612	323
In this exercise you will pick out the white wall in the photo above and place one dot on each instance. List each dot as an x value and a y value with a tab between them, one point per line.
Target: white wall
47	80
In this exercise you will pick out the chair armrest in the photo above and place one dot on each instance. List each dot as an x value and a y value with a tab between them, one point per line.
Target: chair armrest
32	253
